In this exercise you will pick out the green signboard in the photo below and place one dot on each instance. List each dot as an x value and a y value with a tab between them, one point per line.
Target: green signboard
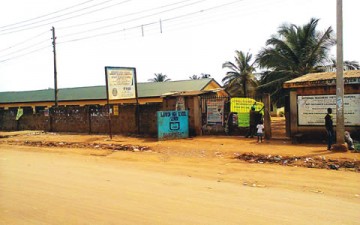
242	107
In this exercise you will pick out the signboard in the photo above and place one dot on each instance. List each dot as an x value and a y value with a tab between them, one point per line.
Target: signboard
242	107
180	103
19	113
215	111
116	110
120	82
173	124
312	109
46	112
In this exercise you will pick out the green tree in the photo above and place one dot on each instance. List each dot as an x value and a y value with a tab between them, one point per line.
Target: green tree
159	77
292	52
202	76
240	79
348	65
195	77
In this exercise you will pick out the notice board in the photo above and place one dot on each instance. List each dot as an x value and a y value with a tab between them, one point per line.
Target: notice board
173	124
242	107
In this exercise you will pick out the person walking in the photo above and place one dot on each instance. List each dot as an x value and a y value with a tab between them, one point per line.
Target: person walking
260	131
329	128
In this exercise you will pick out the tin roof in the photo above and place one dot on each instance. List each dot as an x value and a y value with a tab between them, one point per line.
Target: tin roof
323	79
150	89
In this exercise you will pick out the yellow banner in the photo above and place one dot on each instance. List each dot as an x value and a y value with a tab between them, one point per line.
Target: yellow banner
242	107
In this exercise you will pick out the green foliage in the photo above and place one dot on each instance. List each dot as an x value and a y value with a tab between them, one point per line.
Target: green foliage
159	77
201	76
240	80
294	51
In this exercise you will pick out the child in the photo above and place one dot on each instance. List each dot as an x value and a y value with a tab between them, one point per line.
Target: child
260	131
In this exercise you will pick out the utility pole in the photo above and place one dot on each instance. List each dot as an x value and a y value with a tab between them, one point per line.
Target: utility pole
340	129
55	70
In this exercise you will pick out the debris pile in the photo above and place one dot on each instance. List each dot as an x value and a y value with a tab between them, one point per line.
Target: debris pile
113	147
309	162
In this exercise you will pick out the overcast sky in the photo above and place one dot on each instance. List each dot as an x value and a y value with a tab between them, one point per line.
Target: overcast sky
193	37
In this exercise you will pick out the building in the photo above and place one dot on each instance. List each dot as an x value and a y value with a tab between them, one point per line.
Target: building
83	109
312	94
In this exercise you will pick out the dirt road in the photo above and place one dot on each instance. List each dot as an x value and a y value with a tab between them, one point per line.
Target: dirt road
63	186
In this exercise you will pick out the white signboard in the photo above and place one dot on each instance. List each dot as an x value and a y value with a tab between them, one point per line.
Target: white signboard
215	111
312	109
120	82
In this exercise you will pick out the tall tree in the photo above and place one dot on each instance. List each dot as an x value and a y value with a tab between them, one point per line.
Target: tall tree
240	80
159	77
201	76
205	75
348	65
293	52
195	77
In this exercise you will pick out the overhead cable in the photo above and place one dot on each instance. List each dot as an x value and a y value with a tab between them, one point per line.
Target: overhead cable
27	27
38	17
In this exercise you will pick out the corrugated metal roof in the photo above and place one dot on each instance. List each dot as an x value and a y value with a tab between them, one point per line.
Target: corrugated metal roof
151	89
322	79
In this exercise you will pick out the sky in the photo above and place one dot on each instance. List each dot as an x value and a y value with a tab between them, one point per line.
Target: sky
178	38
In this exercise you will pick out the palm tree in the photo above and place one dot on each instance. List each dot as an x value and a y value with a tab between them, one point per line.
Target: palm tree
202	76
240	80
195	77
293	52
205	75
159	77
348	65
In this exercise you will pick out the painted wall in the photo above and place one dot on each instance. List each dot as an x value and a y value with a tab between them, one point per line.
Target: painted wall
317	131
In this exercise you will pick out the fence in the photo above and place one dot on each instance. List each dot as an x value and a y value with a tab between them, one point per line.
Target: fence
84	119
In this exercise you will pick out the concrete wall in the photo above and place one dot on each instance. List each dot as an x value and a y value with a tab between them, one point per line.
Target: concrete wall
317	132
86	119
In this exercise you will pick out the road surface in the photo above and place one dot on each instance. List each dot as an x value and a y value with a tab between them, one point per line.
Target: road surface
43	187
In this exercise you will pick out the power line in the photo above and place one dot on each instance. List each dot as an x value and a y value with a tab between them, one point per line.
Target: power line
124	29
132	20
24	21
60	20
25	48
106	33
126	15
28	53
151	23
23	42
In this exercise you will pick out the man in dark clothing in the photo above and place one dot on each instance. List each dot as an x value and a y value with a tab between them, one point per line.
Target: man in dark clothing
253	123
329	128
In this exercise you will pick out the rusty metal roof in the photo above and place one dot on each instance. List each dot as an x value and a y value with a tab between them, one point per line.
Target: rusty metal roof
323	79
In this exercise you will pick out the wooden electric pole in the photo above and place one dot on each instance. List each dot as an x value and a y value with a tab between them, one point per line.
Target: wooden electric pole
55	70
340	128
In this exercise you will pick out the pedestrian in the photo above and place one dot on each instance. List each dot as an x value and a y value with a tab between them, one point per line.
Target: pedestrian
230	123
349	141
253	123
329	128
260	131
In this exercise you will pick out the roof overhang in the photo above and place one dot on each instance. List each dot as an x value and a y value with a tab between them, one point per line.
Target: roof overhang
190	93
323	79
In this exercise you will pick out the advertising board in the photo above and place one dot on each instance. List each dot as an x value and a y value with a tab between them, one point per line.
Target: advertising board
242	107
312	109
172	124
215	111
120	82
